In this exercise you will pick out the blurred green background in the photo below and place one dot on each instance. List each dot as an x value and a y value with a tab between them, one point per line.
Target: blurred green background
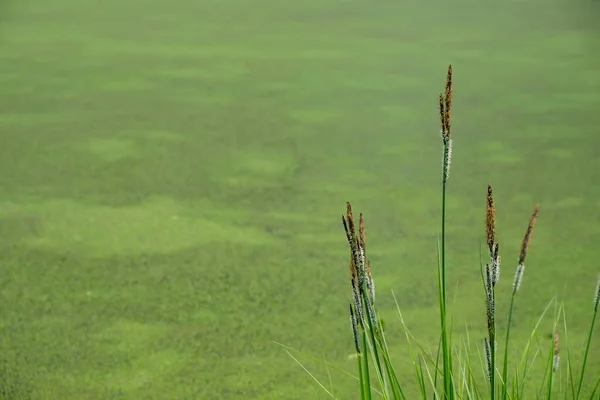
172	176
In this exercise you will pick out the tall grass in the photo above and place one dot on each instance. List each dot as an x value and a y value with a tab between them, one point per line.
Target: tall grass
450	372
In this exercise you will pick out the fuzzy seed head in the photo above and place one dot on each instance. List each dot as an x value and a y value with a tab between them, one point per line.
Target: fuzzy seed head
363	287
354	325
447	159
597	295
357	266
488	357
490	302
518	276
361	268
370	282
358	307
373	316
496	264
556	359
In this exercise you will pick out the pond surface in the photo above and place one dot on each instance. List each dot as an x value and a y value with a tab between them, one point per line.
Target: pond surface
173	176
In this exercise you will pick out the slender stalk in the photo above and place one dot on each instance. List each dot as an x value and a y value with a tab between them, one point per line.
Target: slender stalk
361	381
446	356
491	325
391	372
570	380
595	388
493	366
372	334
445	104
367	378
505	368
553	357
589	340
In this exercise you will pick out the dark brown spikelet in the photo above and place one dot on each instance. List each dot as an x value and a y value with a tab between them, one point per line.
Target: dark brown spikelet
354	324
528	234
488	357
350	219
346	227
443	116
448	101
357	269
446	107
490	221
356	290
349	227
361	232
353	273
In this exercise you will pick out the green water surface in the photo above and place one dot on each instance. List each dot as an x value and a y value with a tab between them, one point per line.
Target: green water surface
172	176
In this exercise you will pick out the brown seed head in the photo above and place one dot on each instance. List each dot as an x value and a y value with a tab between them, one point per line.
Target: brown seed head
490	220
361	232
448	101
442	116
353	273
527	237
354	257
350	220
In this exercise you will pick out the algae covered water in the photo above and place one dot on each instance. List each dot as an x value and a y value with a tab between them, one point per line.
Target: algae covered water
172	176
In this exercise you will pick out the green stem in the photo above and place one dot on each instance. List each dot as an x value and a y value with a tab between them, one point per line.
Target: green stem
442	276
366	383
367	323
493	364
505	369
587	350
362	382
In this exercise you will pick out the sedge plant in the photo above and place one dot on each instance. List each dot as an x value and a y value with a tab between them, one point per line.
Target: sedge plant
448	372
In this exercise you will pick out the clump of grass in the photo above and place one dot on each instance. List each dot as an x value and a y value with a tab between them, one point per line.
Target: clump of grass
369	337
437	376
